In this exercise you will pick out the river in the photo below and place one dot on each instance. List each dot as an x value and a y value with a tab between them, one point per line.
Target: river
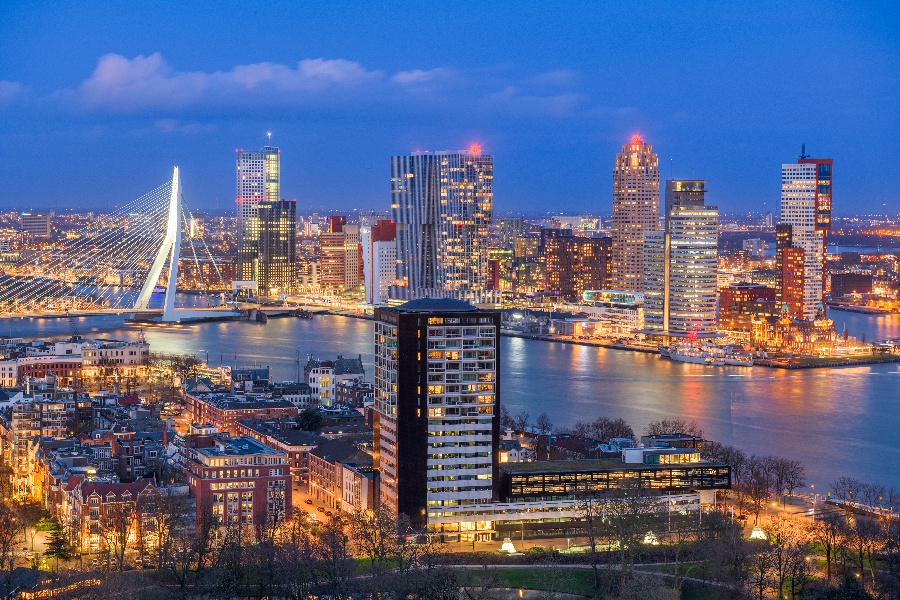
836	421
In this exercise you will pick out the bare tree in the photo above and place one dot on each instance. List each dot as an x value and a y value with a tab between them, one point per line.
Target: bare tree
673	425
117	526
373	534
827	532
522	421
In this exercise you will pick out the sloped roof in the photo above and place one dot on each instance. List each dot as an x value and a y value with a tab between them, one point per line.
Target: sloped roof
117	489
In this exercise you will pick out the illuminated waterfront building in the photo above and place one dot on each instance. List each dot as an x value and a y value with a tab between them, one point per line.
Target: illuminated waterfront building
635	211
680	266
437	401
442	203
576	264
267	253
258	179
379	248
739	303
806	204
340	256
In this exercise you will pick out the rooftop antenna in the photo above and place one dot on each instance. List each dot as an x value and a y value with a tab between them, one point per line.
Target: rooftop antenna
270	137
803	152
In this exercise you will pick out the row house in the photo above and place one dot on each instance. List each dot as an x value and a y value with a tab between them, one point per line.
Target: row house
101	513
223	411
355	393
23	423
342	477
15	371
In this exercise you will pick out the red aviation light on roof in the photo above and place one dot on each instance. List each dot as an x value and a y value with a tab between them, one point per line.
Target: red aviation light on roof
475	149
637	139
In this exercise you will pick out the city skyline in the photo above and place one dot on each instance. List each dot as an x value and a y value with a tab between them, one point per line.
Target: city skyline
144	104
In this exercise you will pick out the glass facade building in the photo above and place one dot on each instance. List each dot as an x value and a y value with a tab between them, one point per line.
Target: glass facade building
268	252
442	203
258	179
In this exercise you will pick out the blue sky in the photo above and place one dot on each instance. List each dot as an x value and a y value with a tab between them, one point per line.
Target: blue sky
99	99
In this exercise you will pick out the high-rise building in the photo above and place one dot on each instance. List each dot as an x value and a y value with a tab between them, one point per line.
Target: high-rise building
576	264
683	192
258	180
635	211
379	248
806	206
442	203
437	400
790	272
268	254
680	266
340	256
37	224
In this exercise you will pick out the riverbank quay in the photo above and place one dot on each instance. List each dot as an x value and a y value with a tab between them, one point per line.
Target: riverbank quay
773	363
818	362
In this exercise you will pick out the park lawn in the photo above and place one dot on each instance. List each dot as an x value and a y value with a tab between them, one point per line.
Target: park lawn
581	581
568	581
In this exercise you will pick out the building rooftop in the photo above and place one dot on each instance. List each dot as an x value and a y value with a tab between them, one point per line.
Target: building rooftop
237	446
337	451
581	466
436	305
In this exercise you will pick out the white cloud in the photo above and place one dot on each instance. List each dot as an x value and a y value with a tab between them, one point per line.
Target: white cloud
419	76
148	83
176	126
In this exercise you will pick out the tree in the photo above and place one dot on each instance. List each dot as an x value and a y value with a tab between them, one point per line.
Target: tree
373	534
544	427
309	419
58	546
827	531
522	421
544	424
505	419
605	429
673	425
10	536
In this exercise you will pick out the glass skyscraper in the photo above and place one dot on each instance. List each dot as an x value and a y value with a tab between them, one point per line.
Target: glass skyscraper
258	177
442	203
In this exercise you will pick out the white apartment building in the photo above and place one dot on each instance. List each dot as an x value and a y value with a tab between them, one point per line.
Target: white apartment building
379	267
806	207
680	272
436	441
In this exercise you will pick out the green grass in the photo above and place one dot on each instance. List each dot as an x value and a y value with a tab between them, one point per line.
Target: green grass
568	581
581	581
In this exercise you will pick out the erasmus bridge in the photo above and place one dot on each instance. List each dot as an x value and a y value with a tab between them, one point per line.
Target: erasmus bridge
115	265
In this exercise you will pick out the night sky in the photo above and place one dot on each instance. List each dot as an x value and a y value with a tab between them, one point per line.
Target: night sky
99	99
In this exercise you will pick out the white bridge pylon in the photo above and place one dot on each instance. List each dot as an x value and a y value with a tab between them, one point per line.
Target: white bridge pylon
169	249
